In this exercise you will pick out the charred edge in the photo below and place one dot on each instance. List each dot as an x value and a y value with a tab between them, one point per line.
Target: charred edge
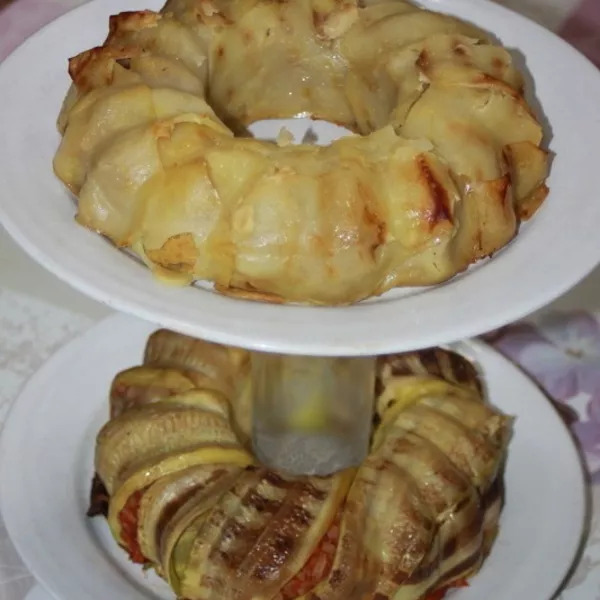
503	187
300	516
318	20
379	386
479	242
237	539
461	567
445	364
274	479
495	492
498	63
372	220
337	576
282	545
410	363
99	499
400	365
262	504
172	507
487	80
423	61
376	419
463	370
315	493
128	21
455	368
233	529
78	64
423	572
459	49
262	572
462	504
465	536
384	465
133	19
441	202
296	518
400	577
431	361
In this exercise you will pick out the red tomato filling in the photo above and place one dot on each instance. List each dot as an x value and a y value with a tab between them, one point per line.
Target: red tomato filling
314	571
128	519
317	566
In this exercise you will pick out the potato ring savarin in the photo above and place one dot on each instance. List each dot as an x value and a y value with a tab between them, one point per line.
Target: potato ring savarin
444	164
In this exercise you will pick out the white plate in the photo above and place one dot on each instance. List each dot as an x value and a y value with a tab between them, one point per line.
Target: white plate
46	466
552	253
38	593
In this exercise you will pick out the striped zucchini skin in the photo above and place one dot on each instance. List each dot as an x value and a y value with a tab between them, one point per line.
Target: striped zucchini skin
186	496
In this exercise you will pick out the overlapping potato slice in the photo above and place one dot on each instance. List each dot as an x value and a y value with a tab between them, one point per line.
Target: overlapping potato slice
292	193
293	70
161	36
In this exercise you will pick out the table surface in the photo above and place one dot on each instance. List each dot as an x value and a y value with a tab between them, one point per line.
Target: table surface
559	346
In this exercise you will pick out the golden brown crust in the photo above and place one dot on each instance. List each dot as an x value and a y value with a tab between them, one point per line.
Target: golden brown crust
412	201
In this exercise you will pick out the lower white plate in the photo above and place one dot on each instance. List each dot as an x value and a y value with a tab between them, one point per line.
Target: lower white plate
46	457
38	593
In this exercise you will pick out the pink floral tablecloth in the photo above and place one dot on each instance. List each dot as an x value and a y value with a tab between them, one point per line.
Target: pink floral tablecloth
561	351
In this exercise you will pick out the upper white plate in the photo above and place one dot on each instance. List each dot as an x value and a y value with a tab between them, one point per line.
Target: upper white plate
46	465
551	254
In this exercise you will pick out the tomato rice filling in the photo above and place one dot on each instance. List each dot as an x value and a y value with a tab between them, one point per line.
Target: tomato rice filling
128	519
317	567
315	570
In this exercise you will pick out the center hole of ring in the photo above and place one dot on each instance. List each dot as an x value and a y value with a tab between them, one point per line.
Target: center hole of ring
301	130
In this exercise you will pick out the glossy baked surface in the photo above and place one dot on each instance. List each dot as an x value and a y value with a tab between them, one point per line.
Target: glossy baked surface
446	162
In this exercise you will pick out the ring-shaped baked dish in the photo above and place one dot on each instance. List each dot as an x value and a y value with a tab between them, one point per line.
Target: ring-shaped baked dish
444	165
184	495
